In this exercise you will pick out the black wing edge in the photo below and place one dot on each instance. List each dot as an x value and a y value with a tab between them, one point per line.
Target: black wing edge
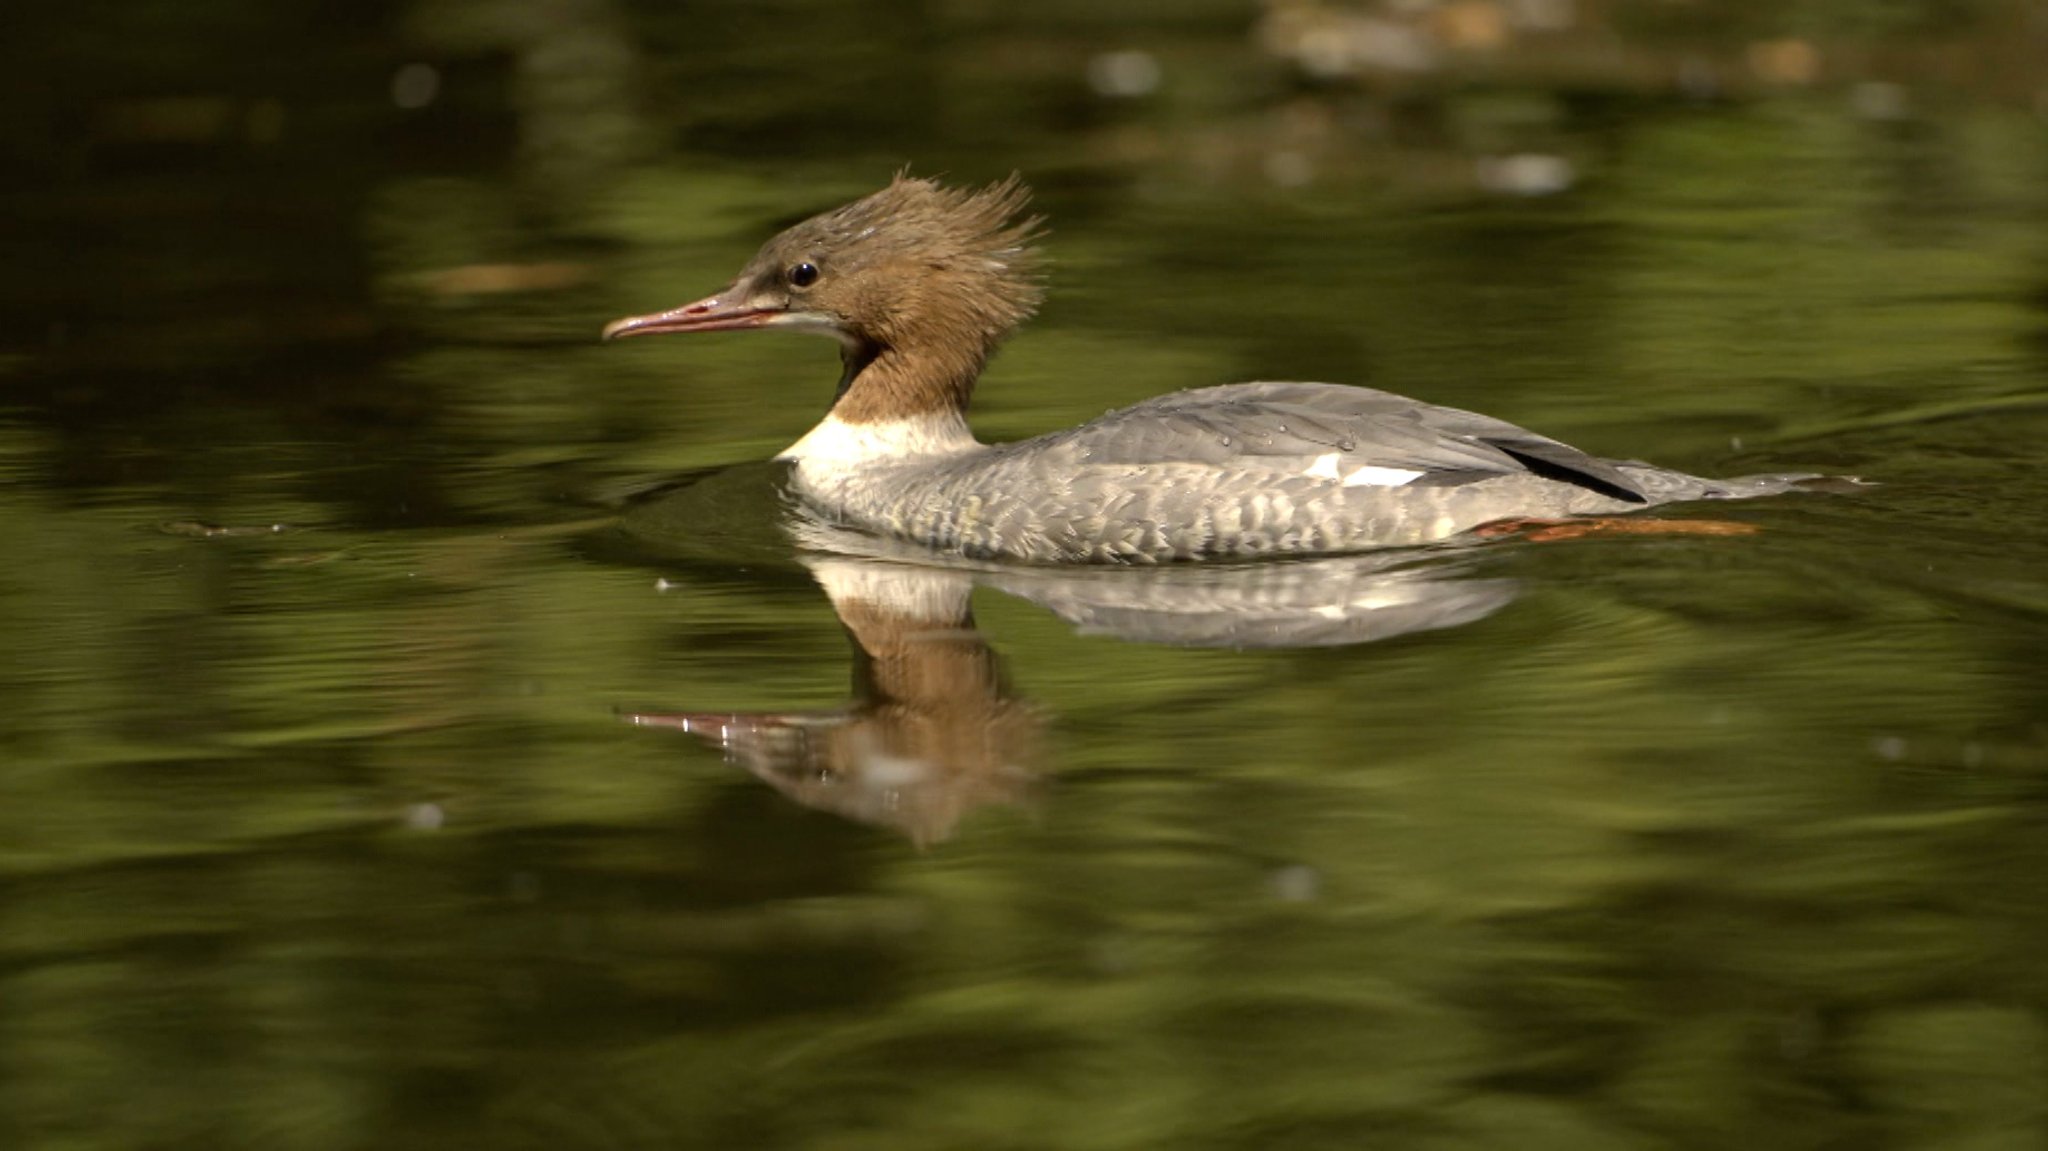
1566	464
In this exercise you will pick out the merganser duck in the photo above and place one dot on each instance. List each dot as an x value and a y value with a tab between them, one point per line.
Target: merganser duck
920	282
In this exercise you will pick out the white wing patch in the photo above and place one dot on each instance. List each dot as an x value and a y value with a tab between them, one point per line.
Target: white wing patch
1326	468
1380	477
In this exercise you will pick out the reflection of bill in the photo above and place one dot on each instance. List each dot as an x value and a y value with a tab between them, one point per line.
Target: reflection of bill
932	731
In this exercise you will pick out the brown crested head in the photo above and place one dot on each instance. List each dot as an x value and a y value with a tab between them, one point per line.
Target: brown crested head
917	267
914	263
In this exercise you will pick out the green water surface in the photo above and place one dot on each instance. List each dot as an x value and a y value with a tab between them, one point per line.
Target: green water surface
323	828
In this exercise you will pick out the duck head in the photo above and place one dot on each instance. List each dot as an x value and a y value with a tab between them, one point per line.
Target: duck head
922	279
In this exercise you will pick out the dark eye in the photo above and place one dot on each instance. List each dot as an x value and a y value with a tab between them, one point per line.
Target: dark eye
803	275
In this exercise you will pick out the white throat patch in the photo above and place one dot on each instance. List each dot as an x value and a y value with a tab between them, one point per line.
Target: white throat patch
836	444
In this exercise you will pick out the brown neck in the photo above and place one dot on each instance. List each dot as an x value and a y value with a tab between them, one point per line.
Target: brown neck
924	665
881	383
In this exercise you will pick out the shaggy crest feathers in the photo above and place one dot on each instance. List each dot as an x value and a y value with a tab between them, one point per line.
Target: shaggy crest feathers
961	257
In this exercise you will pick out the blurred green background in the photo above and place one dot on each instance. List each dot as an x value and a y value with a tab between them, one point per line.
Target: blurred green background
322	830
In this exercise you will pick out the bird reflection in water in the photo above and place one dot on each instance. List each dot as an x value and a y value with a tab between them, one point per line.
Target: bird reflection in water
933	731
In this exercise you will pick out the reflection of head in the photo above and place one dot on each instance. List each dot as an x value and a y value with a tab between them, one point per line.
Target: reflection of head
931	733
916	772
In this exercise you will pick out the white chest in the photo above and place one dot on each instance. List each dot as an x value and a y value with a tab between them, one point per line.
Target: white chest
837	458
